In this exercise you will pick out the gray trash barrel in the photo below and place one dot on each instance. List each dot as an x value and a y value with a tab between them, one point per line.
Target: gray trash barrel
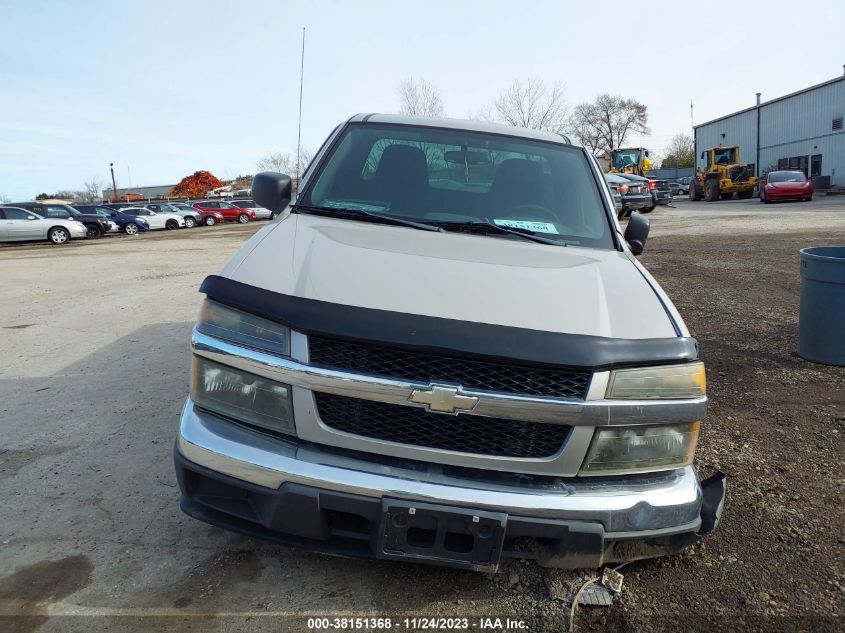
821	324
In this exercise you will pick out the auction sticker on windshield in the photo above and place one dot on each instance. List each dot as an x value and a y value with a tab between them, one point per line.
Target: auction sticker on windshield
537	227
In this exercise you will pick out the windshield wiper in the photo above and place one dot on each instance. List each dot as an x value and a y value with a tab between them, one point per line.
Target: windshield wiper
360	213
528	234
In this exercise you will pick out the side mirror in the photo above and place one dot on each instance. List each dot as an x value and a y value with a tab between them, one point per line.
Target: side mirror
272	190
31	217
636	233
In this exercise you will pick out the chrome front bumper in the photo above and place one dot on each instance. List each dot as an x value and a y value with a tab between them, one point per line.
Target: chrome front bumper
647	506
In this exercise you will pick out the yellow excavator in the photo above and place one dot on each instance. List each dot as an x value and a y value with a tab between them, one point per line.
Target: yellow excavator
630	160
723	176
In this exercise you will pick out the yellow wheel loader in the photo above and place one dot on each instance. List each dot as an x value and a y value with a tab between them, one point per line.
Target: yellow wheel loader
630	160
723	176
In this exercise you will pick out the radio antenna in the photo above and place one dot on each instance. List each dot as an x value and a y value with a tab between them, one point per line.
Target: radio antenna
299	130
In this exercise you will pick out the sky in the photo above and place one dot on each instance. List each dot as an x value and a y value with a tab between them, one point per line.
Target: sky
165	88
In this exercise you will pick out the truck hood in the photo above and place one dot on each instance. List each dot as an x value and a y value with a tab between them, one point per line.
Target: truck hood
476	278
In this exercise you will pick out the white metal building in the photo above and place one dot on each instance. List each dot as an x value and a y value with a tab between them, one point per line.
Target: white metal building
802	130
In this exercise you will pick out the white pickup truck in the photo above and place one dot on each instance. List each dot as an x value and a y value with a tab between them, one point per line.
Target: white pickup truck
444	350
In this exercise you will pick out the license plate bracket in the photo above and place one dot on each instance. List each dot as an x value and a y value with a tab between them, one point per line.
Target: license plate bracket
441	535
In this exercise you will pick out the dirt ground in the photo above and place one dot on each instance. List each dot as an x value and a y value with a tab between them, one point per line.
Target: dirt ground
93	338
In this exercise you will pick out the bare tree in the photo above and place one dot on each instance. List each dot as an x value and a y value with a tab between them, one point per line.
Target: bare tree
277	161
284	162
681	151
420	98
92	189
605	123
531	104
586	135
305	156
4	198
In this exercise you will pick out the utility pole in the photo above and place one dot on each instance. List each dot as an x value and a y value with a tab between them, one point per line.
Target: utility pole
113	182
694	140
299	130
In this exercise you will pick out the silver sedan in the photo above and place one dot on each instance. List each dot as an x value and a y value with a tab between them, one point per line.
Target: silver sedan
20	225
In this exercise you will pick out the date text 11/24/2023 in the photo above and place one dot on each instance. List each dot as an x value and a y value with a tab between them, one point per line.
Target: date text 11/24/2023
416	623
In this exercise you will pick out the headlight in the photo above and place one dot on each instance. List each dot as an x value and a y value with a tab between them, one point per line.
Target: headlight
243	328
243	396
649	383
624	450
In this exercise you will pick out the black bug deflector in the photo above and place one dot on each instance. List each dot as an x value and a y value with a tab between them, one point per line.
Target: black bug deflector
449	336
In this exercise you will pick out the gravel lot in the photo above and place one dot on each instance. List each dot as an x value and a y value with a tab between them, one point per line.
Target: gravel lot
94	343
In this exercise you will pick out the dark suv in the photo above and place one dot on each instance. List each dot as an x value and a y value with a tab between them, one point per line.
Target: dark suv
97	226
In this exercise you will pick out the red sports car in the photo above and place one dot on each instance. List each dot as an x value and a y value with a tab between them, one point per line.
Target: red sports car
786	185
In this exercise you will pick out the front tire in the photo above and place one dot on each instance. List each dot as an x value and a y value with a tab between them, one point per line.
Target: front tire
243	218
210	221
58	235
130	228
711	191
190	222
171	224
92	232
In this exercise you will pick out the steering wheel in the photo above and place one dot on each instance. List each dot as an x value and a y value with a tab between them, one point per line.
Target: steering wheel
529	212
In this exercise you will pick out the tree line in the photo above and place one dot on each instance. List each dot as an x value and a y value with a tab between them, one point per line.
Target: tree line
601	125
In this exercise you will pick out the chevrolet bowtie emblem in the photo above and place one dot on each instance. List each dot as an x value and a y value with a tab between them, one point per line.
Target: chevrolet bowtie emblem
443	399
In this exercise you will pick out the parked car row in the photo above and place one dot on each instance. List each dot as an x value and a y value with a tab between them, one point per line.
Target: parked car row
59	223
637	193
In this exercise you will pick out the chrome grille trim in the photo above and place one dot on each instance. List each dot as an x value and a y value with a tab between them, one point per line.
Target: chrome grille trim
570	412
429	367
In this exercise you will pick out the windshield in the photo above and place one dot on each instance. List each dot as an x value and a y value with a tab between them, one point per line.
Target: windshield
724	156
438	176
786	176
626	158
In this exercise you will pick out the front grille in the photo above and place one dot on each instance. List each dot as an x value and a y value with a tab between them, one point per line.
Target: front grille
426	368
417	427
739	174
